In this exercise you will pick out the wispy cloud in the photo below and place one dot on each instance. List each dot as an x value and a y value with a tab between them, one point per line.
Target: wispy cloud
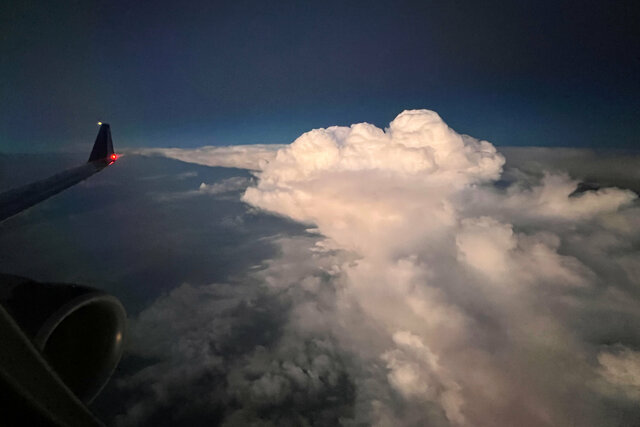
252	157
230	185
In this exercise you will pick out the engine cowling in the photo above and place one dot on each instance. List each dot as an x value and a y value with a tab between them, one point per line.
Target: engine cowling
79	330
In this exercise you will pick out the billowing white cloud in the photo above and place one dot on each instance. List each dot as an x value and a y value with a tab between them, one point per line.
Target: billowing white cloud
430	293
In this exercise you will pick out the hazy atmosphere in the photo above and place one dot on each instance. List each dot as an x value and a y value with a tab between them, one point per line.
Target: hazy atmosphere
347	213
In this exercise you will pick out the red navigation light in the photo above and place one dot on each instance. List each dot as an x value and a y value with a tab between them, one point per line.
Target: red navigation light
114	157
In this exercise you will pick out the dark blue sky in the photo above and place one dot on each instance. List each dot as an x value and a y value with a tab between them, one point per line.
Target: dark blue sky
561	73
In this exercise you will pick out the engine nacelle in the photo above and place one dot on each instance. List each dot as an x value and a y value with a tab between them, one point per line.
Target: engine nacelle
79	330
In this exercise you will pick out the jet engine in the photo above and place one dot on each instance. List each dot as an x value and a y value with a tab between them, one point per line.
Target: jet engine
79	330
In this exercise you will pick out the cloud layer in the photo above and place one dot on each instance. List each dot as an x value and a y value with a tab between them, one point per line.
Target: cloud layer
430	292
252	157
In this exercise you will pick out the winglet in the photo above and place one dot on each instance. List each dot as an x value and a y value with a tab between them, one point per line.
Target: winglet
103	147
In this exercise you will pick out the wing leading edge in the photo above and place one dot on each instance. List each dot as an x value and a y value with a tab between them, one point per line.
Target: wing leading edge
19	199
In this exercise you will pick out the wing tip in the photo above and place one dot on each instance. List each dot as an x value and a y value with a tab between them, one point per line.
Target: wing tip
103	146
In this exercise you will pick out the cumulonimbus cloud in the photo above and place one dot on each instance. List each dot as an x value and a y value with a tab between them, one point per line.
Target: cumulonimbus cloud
433	293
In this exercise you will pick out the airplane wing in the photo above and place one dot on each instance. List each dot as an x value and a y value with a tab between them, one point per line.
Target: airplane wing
17	200
59	343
